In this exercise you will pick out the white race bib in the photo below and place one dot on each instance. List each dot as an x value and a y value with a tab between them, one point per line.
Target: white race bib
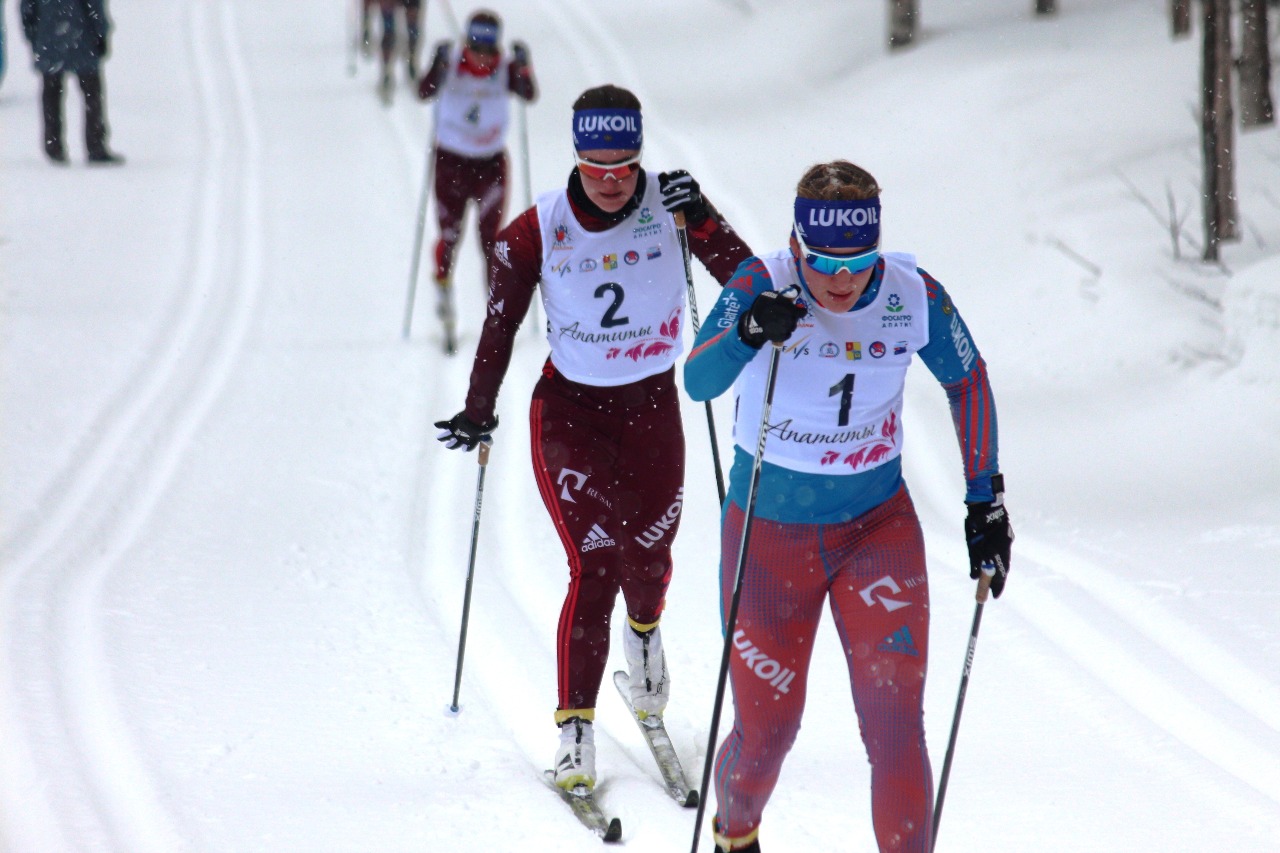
472	112
837	403
614	299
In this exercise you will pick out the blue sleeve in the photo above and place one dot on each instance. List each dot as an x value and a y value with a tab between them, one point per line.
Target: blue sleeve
955	362
718	354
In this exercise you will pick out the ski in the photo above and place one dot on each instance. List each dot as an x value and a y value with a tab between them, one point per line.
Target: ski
664	752
585	808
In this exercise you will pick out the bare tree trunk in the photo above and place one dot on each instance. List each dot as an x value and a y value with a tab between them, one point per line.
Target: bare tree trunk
902	22
1180	15
1046	7
1256	107
1216	128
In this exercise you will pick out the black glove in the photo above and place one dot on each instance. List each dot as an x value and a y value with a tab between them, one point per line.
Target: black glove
772	317
100	46
990	537
461	431
442	52
681	193
519	53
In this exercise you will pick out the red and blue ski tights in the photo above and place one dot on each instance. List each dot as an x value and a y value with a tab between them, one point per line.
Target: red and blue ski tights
873	571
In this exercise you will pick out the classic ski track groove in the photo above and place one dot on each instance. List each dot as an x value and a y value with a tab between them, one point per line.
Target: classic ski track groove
103	503
1171	699
1171	702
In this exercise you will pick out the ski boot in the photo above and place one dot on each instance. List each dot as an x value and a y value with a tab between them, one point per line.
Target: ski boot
576	757
749	843
647	665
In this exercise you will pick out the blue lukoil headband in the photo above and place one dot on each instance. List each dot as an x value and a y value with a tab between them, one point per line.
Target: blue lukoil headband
607	128
482	32
838	224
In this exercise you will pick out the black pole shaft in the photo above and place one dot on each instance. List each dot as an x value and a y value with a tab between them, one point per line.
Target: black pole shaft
697	326
471	573
984	585
732	619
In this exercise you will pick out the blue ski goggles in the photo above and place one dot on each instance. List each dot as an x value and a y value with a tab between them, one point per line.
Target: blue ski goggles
828	264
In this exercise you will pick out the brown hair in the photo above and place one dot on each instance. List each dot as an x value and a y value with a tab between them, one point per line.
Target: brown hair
606	97
838	180
484	16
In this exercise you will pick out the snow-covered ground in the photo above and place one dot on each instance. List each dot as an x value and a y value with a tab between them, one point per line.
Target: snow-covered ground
233	558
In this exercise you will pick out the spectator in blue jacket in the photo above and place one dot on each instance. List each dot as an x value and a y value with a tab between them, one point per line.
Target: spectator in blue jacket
70	36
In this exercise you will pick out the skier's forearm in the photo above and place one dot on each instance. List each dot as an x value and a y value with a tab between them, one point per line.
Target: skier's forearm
714	242
715	363
973	411
515	275
719	354
521	84
493	357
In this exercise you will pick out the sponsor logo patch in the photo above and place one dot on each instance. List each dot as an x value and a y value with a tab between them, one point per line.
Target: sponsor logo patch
890	604
765	667
658	529
596	538
578	480
900	642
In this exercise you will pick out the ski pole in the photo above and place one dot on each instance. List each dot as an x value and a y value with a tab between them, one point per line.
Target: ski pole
731	621
453	19
693	315
471	572
423	201
984	586
354	14
528	187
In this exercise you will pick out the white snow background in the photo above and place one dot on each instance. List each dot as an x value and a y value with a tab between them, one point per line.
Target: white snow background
234	556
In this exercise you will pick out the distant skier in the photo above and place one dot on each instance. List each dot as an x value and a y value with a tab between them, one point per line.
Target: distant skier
833	519
413	28
607	441
70	37
471	88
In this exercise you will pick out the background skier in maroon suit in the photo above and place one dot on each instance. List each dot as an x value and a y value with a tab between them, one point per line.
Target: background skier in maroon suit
608	447
472	88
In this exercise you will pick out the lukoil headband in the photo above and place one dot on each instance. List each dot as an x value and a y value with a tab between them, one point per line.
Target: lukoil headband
607	128
482	32
838	224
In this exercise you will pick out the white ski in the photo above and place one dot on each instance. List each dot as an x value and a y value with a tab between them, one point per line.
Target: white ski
585	808
664	753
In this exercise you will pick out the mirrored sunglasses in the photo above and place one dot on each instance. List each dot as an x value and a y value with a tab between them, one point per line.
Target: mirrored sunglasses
828	264
599	171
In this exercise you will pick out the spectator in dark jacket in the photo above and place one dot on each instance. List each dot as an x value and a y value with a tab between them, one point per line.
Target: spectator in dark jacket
70	36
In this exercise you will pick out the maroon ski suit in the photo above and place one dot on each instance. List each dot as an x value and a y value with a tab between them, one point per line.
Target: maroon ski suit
607	459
